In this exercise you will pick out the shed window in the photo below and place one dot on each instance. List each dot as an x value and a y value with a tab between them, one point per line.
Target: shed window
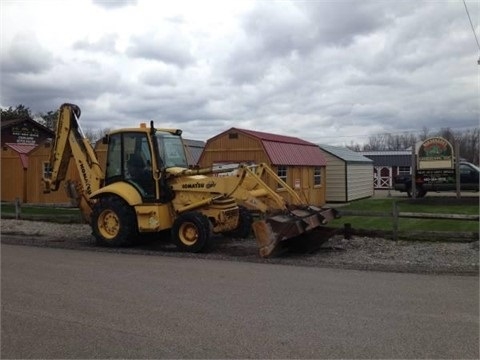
46	170
404	170
317	176
282	174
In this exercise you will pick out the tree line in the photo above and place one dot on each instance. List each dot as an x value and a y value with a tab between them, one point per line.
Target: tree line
48	119
467	140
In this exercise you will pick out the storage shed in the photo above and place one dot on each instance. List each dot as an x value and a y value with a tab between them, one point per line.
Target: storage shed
24	162
39	166
388	164
299	163
349	174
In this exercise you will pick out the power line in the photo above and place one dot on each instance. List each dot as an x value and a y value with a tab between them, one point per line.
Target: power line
473	29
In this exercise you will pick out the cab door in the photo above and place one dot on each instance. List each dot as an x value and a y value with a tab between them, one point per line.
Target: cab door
122	149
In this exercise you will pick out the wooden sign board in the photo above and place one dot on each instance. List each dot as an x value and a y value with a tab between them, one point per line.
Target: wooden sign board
435	153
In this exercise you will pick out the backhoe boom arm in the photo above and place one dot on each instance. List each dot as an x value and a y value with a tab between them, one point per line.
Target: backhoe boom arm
70	141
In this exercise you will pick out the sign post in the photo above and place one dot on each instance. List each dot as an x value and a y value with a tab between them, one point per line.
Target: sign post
414	172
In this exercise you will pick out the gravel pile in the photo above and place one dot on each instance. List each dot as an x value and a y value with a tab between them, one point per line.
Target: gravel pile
360	252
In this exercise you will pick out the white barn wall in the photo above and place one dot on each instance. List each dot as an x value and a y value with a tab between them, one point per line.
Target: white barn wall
359	181
335	179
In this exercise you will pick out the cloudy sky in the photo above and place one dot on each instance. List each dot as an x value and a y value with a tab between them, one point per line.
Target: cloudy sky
330	72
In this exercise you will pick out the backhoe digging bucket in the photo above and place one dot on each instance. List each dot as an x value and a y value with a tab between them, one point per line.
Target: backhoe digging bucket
300	222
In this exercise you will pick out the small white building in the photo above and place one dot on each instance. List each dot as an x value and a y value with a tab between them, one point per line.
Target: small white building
349	174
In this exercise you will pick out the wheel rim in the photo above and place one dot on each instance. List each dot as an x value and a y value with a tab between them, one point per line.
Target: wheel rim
108	224
188	233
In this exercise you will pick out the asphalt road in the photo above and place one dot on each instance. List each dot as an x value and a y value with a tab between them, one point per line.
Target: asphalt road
78	304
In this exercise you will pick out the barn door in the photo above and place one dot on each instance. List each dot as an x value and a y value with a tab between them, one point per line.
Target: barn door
382	177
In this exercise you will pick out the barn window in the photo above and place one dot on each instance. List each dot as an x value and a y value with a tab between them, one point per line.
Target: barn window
282	174
404	170
317	176
233	135
47	170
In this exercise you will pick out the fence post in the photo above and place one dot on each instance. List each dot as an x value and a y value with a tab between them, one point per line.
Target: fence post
18	208
395	221
347	231
414	172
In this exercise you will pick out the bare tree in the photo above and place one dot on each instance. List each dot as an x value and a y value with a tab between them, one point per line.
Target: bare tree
469	145
448	134
424	135
354	147
50	119
376	143
95	134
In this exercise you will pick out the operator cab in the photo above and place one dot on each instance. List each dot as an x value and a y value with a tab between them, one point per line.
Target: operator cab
171	150
139	158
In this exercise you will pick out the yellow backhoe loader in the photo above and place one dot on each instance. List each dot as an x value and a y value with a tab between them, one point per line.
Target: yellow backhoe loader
147	187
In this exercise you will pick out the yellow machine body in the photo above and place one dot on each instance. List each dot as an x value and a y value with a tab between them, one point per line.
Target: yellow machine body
190	203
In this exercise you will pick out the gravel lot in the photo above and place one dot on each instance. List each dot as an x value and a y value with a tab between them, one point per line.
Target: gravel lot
363	253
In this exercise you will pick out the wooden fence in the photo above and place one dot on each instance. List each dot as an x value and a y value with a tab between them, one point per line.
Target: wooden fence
395	215
70	215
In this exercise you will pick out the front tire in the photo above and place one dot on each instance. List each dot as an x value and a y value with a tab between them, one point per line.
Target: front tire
113	222
420	192
191	232
244	227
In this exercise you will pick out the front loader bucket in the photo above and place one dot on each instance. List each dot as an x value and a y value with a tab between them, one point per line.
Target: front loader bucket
274	230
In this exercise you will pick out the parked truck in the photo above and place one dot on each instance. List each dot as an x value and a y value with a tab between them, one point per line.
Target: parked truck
469	181
147	188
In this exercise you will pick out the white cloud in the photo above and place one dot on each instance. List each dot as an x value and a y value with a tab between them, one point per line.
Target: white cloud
162	48
328	72
114	4
26	55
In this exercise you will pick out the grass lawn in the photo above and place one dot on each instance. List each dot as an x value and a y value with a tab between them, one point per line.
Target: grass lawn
437	205
44	213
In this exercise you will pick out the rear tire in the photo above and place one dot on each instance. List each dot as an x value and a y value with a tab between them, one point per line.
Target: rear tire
113	222
191	232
